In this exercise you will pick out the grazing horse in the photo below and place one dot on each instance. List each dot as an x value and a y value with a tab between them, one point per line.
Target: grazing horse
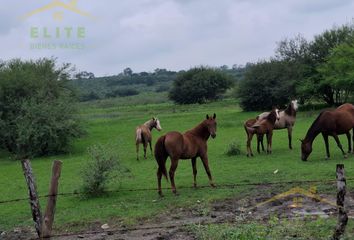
261	127
287	119
143	135
190	145
330	123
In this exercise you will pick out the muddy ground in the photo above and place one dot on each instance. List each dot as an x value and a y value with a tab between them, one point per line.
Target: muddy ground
172	225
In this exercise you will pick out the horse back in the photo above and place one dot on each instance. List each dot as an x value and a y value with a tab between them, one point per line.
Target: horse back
145	133
181	146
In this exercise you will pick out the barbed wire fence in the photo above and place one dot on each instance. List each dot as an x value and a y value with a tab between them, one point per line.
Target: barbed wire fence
125	229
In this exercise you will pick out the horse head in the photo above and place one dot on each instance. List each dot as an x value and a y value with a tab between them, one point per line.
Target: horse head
306	149
157	124
294	104
211	125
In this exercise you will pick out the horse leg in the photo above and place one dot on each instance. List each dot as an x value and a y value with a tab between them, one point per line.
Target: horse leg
151	149
262	136
205	161
339	145
137	151
258	142
145	146
174	164
159	176
325	138
269	139
249	149
194	166
349	142
290	130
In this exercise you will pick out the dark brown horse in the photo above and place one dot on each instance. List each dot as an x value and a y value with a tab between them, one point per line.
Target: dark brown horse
190	145
250	123
261	127
330	123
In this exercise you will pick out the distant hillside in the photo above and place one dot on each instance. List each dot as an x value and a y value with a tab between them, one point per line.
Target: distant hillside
130	84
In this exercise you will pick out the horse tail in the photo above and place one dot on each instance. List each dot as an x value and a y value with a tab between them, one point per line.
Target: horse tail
139	137
161	156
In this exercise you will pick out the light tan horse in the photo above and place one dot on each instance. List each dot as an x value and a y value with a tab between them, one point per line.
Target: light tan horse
143	135
286	119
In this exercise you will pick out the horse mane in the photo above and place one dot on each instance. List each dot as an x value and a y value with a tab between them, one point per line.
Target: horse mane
149	124
312	130
272	117
290	110
199	130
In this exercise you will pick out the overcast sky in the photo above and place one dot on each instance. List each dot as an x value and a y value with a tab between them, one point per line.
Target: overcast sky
172	34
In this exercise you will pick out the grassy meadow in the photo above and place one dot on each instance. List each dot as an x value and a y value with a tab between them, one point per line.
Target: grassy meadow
114	121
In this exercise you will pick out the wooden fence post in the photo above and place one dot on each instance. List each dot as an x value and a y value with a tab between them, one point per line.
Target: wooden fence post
342	213
33	197
48	219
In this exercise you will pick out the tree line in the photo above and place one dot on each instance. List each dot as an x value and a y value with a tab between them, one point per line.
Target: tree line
320	70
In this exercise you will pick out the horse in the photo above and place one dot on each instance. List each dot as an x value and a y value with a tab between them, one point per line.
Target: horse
250	123
261	127
287	119
189	145
330	123
143	135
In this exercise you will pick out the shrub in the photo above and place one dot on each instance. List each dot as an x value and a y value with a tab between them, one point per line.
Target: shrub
234	148
36	108
199	85
100	169
123	92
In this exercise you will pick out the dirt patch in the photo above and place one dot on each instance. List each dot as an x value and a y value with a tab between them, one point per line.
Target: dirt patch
172	225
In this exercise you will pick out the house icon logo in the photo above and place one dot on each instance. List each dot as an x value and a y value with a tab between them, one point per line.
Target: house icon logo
58	6
298	195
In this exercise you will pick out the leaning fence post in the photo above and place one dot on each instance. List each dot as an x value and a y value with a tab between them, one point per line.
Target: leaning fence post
33	197
342	213
48	219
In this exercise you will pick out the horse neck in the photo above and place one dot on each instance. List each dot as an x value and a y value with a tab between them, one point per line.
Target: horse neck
290	110
200	131
149	124
313	131
272	117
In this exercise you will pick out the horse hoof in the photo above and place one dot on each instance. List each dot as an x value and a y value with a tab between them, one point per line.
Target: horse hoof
345	156
160	194
251	154
212	185
195	186
327	158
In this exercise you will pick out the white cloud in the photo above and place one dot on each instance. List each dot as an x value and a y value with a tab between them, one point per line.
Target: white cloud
149	34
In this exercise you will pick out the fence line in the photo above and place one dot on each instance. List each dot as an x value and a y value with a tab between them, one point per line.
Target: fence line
220	186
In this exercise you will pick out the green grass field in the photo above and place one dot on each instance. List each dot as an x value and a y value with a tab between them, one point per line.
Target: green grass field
111	122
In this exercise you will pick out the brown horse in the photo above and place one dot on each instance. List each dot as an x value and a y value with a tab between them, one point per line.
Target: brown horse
190	145
250	123
261	127
330	123
287	118
143	135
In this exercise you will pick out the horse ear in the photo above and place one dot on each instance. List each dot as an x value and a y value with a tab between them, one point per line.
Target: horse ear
153	118
214	116
302	141
207	116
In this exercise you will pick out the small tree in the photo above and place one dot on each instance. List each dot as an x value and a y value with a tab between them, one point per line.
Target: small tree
267	84
199	85
36	108
100	168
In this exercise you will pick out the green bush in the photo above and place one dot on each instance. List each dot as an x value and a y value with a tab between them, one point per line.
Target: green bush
123	92
36	108
199	85
234	148
103	167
